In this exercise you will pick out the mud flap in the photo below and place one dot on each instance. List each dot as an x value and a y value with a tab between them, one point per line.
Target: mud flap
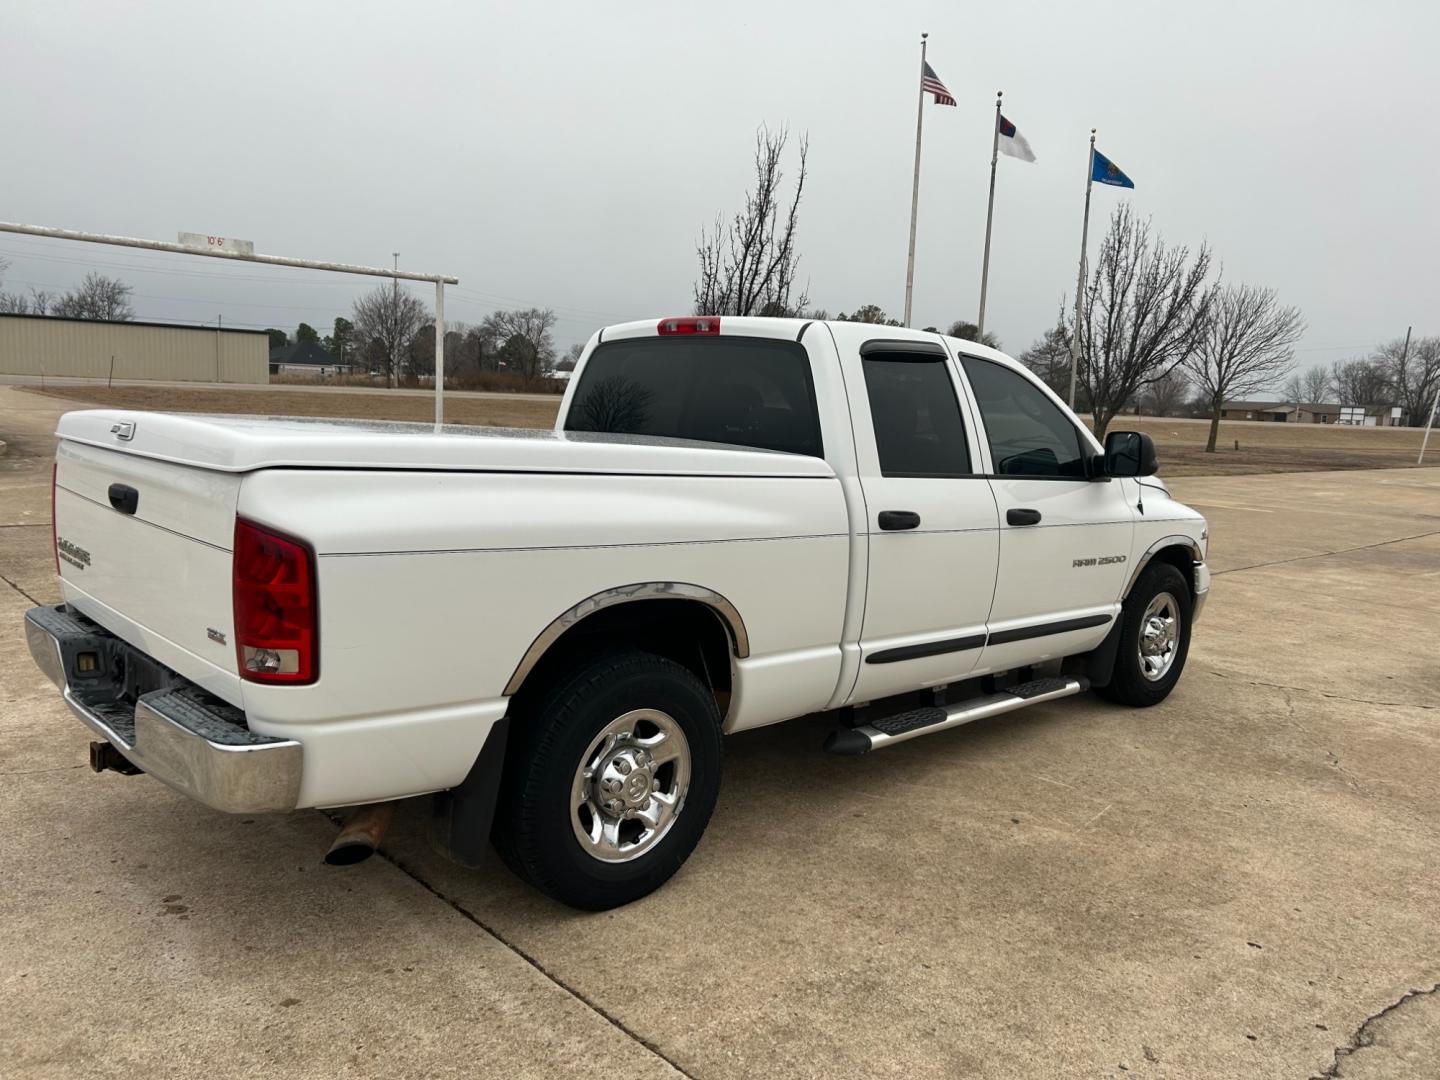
1100	662
460	818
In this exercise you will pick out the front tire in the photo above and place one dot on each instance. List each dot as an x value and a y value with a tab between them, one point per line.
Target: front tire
614	774
1154	638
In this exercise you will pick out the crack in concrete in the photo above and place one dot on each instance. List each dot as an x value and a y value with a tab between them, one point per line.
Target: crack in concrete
594	1006
1325	554
18	589
1292	721
1364	1037
1323	693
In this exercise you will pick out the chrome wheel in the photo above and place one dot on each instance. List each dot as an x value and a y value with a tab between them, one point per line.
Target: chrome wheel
1159	636
630	785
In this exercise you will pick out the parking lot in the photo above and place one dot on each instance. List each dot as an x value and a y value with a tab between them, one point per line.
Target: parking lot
1241	882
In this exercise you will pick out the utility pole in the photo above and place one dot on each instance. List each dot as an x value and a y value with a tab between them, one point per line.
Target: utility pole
219	323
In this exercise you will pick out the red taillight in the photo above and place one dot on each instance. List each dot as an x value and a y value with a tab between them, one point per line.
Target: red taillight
54	529
691	324
276	620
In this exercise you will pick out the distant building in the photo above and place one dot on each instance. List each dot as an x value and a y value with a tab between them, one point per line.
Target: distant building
1280	412
1372	415
307	358
50	346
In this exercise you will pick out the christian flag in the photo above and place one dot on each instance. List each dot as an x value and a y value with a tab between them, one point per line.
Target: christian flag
930	84
1013	143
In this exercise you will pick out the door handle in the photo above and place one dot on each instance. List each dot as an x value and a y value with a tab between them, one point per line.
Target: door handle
1022	517
124	498
895	520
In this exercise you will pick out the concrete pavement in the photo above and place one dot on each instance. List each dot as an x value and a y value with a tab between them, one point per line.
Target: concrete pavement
1238	883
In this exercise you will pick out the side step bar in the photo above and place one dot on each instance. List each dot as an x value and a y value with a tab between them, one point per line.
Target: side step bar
889	730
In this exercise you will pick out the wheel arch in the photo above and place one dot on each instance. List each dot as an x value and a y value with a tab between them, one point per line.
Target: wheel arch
647	610
1179	550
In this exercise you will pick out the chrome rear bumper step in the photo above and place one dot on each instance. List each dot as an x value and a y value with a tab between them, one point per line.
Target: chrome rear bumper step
160	723
889	730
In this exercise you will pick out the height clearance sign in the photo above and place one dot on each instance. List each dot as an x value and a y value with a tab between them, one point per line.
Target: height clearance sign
227	244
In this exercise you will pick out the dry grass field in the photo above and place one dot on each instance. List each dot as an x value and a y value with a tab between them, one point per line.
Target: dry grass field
1274	448
496	411
1263	447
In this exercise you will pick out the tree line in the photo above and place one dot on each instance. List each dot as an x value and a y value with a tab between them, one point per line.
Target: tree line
97	297
1157	329
392	333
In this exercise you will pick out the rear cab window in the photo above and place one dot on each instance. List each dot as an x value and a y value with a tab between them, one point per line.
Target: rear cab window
750	392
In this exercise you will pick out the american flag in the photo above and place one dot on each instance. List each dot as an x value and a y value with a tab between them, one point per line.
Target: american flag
930	83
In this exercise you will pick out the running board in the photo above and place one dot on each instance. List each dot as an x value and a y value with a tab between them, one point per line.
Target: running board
889	730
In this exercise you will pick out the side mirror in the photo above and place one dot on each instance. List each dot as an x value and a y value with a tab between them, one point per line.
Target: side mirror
1130	453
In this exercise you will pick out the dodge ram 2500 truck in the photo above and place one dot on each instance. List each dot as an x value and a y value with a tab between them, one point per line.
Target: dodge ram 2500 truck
736	521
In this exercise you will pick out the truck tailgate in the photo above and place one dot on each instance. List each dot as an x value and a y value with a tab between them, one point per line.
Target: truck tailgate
158	576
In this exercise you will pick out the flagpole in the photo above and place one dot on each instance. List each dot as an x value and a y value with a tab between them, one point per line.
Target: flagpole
1080	281
915	189
989	217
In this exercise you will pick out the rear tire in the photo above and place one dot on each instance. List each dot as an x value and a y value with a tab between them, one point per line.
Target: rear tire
1154	638
613	774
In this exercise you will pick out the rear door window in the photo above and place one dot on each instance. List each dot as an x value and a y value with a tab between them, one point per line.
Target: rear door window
918	428
753	392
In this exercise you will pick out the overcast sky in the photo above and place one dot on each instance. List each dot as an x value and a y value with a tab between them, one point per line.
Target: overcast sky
566	155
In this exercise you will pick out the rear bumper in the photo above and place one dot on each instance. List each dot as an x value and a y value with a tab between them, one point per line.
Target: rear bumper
160	722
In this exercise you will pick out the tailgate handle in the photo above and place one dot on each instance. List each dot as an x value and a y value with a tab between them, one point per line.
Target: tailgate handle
124	498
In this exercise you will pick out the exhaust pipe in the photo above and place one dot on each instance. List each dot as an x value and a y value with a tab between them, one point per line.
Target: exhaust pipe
361	834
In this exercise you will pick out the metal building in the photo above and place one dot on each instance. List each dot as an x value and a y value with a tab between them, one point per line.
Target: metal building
47	346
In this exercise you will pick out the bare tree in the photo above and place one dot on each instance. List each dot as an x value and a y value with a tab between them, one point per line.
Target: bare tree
571	358
1414	374
1360	382
1144	311
748	266
1316	383
1293	388
38	302
1248	344
97	297
476	352
385	323
1049	357
526	342
1166	395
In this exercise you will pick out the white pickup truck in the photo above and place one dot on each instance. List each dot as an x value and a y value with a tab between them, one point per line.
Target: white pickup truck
736	521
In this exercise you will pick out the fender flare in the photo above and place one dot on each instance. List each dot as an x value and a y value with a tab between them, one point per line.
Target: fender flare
1174	540
724	610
